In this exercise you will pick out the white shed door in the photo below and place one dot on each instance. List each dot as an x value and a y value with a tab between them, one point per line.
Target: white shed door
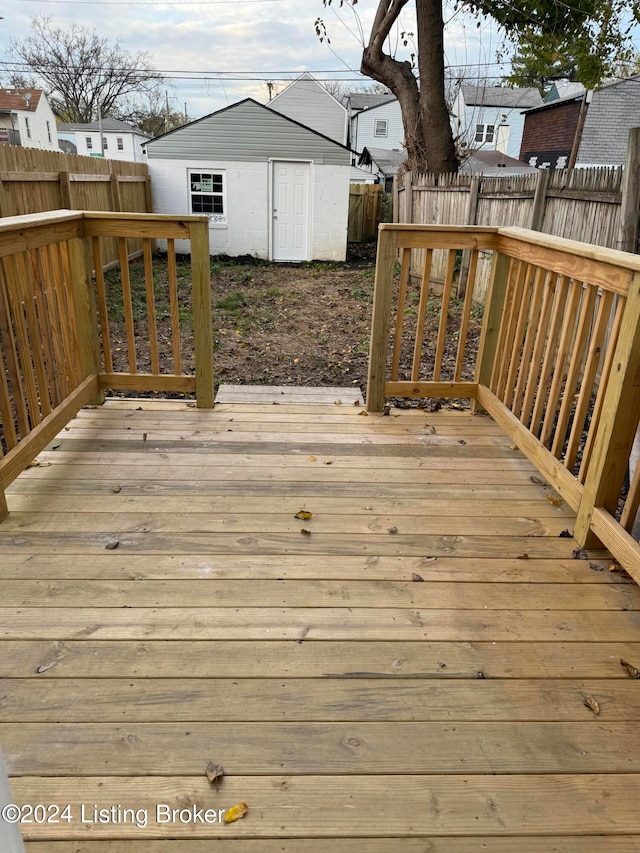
290	211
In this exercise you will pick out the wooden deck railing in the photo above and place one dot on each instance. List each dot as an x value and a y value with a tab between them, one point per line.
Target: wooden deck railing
55	338
558	365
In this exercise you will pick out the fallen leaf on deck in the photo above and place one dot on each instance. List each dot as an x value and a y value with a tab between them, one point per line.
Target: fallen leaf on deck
305	532
214	772
303	515
523	557
596	567
631	670
430	430
579	554
565	534
337	402
329	462
554	501
356	402
461	441
46	666
235	813
481	675
312	458
111	546
614	567
116	489
417	578
387	410
537	480
367	507
592	704
393	529
364	412
513	447
426	560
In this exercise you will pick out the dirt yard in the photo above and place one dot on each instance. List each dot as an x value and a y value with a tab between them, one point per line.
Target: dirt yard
275	324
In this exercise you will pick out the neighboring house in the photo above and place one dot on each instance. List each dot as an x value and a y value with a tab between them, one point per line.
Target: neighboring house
308	102
120	141
549	132
361	176
27	119
375	121
383	163
561	89
271	187
494	164
490	117
609	113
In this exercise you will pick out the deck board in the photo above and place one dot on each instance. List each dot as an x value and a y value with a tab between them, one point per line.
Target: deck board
363	688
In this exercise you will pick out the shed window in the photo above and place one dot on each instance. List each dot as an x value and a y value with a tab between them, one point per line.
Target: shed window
89	141
207	191
120	142
485	132
27	127
381	127
49	131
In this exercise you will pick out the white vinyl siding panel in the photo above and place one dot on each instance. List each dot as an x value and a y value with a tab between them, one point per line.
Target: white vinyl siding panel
364	126
247	132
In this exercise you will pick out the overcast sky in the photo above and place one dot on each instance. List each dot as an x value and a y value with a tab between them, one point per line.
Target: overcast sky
217	40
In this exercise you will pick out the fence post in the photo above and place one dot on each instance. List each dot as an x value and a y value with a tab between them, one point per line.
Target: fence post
630	207
7	204
202	334
84	310
65	190
540	200
385	263
472	214
408	191
616	429
116	201
494	304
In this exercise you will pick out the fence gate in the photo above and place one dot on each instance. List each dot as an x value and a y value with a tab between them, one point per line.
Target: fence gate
364	212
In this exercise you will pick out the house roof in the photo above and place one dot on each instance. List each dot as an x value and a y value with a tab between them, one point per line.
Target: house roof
557	102
500	96
303	77
13	99
387	160
108	125
564	89
362	101
494	163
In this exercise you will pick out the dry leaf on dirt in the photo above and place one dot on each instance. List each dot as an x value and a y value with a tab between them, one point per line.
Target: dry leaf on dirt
303	515
235	812
214	772
592	704
631	669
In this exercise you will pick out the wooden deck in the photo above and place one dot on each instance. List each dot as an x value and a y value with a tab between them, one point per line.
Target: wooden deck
412	674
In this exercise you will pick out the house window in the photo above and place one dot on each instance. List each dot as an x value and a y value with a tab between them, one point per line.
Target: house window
49	131
120	142
89	141
207	193
105	144
27	127
485	132
381	127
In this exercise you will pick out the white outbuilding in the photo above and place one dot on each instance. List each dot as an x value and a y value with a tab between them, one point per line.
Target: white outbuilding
271	187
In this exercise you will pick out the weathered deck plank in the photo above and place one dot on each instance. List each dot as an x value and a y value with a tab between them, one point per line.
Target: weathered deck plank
363	688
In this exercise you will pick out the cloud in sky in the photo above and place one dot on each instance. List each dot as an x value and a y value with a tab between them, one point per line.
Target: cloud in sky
262	36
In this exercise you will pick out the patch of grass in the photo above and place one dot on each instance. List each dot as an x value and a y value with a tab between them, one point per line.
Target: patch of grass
234	302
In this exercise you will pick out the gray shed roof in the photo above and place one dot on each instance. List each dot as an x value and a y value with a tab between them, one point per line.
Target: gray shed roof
484	161
387	160
500	96
361	101
108	124
247	132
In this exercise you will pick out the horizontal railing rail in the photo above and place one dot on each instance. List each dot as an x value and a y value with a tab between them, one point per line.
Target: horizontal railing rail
55	323
558	361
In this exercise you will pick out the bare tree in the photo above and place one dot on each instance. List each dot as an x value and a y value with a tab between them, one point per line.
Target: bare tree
80	71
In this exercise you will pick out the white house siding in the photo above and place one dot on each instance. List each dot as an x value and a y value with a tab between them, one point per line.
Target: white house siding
363	128
309	103
248	205
131	144
38	135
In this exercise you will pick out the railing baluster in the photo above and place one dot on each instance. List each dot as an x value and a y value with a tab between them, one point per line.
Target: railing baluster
202	333
422	315
44	327
6	413
632	503
466	314
573	374
533	384
444	315
402	296
151	306
103	310
127	303
492	325
531	334
522	316
34	336
598	334
173	306
53	285
66	296
508	328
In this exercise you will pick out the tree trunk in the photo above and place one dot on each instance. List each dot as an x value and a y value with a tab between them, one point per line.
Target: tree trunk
428	136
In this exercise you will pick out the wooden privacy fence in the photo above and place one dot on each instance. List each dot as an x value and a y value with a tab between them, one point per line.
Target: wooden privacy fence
34	181
559	314
365	206
55	338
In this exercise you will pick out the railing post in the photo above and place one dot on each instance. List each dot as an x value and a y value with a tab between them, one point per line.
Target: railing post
494	306
202	334
84	310
617	426
385	262
4	510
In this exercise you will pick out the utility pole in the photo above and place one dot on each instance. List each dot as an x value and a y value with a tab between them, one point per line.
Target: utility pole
100	129
270	88
186	117
166	111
